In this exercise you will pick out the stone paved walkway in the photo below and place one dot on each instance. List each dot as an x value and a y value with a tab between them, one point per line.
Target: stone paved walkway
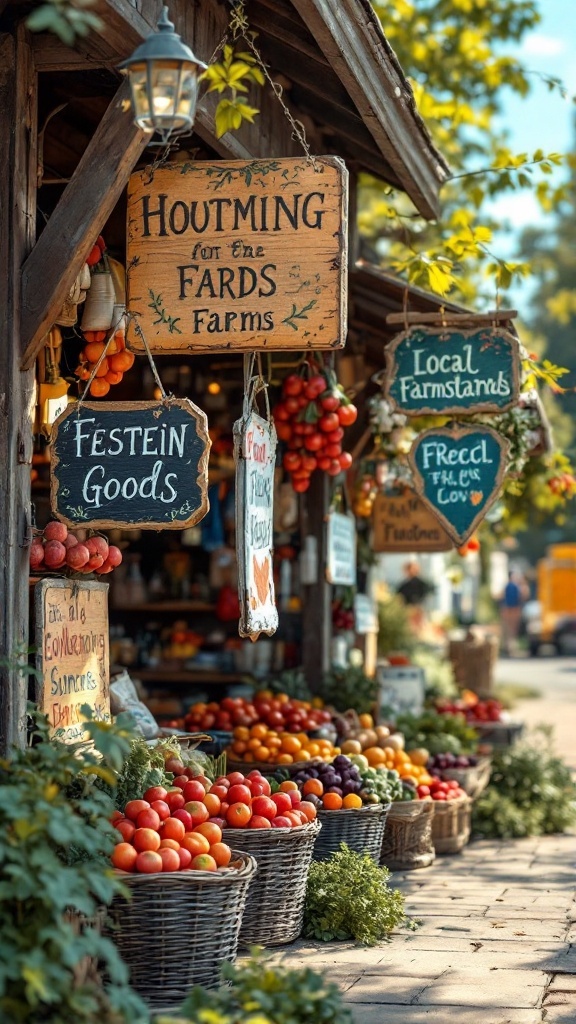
496	943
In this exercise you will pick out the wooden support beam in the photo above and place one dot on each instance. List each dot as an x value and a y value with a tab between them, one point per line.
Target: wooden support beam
317	610
350	37
449	317
84	207
18	128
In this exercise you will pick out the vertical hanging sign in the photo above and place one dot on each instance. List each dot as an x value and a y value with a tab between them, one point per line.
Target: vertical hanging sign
255	453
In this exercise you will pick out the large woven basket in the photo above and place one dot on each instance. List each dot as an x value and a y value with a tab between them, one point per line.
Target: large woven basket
361	828
472	780
407	840
451	824
267	768
275	908
177	928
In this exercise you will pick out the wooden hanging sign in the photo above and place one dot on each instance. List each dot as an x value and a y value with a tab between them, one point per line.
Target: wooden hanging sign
458	473
445	370
238	256
132	465
255	452
72	654
402	522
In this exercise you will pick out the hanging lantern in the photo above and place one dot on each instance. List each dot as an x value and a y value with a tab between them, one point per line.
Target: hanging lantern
163	75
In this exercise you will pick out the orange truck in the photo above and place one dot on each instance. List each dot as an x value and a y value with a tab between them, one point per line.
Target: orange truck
554	621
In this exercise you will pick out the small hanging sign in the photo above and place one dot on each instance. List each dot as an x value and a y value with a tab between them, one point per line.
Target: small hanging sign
458	473
402	522
341	545
255	454
441	370
132	465
72	654
236	255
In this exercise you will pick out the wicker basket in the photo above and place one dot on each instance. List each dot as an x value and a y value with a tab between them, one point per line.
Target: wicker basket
178	928
472	780
451	824
407	840
268	769
361	828
275	907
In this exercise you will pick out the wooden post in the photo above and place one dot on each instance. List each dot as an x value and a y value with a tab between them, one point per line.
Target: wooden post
18	130
317	598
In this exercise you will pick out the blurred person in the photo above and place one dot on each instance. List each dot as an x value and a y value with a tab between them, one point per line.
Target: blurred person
513	597
414	590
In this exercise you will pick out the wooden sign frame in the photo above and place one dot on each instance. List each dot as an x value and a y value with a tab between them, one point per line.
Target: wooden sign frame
408	520
104	522
479	338
238	256
455	433
87	651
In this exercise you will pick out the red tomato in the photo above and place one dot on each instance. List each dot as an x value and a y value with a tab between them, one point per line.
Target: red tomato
133	808
185	858
329	421
162	809
323	463
335	436
175	799
333	451
291	461
309	463
194	791
148	819
265	806
180	781
294	797
282	801
183	815
281	412
345	461
293	385
301	486
222	780
238	815
330	401
239	794
126	828
148	862
315	386
235	778
347	415
275	720
174	765
334	467
171	859
197	811
155	793
284	431
124	856
204	862
292	405
313	442
146	839
218	790
258	821
169	844
281	822
173	828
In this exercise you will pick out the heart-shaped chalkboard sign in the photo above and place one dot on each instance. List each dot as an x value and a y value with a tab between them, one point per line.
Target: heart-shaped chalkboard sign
458	472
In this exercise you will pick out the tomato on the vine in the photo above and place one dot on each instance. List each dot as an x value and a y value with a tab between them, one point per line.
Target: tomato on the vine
284	431
315	386
281	412
334	467
328	422
347	415
314	442
291	461
324	462
333	451
335	436
291	405
293	385
300	486
309	463
345	461
330	401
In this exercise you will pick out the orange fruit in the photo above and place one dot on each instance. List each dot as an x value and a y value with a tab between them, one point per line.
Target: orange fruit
254	742
352	800
313	749
284	759
221	853
239	746
332	801
308	809
241	733
375	756
113	377
303	755
287	786
204	862
259	731
212	802
99	388
169	844
211	831
291	744
313	786
261	754
293	817
195	843
249	757
93	351
103	368
122	361
366	721
274	742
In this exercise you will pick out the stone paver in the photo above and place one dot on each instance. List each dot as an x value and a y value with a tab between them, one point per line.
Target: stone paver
492	945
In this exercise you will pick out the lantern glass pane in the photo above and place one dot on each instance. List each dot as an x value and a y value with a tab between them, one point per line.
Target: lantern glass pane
188	94
140	100
164	82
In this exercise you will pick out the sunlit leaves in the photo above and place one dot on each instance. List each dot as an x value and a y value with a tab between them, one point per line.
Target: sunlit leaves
232	75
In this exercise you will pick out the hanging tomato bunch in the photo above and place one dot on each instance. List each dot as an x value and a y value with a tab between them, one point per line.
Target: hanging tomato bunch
310	419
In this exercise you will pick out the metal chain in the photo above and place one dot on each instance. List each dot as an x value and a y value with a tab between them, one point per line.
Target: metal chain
156	375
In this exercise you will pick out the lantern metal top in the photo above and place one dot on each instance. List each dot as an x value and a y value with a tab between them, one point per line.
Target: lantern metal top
163	45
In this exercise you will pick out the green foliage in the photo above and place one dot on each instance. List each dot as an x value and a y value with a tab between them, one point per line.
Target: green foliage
293	682
348	897
440	681
55	843
231	76
255	992
348	687
440	734
65	18
531	792
394	631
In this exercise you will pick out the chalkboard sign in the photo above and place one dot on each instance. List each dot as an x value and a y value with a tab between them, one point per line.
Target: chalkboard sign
449	371
255	453
232	255
341	549
402	522
131	465
458	472
72	654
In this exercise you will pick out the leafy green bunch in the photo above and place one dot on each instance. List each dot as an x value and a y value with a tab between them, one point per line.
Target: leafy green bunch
440	734
348	687
255	992
348	897
531	792
55	844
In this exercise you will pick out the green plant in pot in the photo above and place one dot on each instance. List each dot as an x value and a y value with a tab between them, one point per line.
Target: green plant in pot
55	844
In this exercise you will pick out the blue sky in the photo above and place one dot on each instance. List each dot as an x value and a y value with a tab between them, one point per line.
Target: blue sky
542	120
